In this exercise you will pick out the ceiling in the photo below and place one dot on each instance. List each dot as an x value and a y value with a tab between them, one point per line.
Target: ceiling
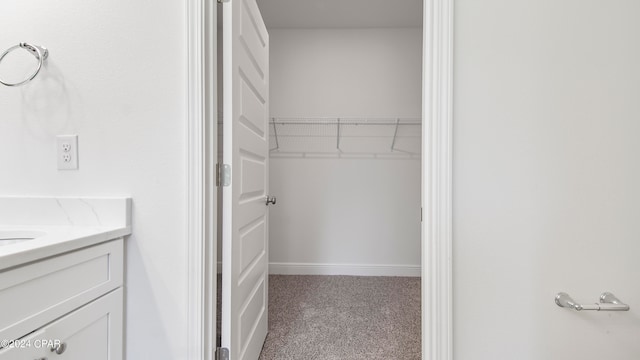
341	13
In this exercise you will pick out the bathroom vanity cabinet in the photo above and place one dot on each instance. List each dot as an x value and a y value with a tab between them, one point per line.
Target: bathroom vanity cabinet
67	307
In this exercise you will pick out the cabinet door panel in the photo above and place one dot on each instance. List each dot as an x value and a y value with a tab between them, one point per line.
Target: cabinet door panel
91	332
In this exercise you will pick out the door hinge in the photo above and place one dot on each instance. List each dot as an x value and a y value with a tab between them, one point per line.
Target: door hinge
222	353
223	174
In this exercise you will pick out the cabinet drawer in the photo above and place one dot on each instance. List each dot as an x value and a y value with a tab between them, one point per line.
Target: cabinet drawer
38	293
92	332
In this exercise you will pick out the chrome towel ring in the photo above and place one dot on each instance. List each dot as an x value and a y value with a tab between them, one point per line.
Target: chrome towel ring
41	53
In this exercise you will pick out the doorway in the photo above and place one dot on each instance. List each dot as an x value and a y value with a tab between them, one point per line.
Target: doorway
344	145
436	182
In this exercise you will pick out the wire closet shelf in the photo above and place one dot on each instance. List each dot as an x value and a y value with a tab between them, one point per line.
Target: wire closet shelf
344	137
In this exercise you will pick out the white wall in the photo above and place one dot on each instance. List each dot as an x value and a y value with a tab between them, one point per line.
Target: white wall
349	211
546	174
357	212
116	76
346	72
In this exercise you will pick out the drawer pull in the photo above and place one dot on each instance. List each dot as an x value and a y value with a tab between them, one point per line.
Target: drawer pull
59	349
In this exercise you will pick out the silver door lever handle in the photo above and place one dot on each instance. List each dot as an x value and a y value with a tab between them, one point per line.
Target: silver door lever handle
608	302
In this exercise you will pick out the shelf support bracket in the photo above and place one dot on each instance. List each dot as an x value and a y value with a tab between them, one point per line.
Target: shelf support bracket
395	133
338	136
275	133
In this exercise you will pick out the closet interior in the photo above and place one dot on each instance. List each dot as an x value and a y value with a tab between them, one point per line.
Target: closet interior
345	105
344	162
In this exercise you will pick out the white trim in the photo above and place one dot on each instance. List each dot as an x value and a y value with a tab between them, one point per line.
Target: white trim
437	182
344	269
211	189
196	151
437	156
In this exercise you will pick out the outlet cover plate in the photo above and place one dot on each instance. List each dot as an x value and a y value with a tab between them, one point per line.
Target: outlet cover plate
67	152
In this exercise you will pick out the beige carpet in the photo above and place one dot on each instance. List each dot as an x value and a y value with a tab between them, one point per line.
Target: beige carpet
343	317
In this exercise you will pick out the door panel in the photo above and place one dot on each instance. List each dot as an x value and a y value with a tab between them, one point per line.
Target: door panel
245	225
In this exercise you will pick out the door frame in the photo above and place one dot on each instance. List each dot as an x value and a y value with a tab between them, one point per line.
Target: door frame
201	193
437	179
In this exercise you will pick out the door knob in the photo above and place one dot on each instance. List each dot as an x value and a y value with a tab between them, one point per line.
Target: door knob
59	349
271	200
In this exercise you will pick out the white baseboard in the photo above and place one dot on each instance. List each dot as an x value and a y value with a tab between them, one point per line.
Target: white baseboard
344	269
340	269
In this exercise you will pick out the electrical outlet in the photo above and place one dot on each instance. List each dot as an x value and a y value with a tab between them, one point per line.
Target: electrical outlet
67	152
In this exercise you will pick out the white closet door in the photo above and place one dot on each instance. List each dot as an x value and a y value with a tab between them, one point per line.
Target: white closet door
245	148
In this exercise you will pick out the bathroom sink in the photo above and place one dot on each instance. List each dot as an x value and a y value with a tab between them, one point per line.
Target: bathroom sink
8	237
